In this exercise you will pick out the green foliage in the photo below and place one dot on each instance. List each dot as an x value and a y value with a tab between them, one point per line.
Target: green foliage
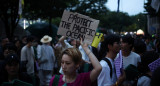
116	21
56	21
149	9
132	27
92	8
9	15
46	9
140	20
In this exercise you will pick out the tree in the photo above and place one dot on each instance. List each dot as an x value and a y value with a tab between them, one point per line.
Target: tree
9	15
151	12
140	20
92	8
46	9
117	21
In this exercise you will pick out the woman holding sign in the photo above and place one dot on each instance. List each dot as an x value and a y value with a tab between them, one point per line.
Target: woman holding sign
70	62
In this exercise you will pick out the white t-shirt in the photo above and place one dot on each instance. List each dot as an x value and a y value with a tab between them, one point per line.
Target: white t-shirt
104	78
84	55
133	59
27	54
144	81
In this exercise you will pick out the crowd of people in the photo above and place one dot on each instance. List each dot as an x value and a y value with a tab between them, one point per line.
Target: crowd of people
69	62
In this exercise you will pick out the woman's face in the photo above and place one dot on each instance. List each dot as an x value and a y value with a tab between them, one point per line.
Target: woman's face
12	69
68	66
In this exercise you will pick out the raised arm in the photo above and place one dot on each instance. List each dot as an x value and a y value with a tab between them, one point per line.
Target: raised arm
61	40
96	65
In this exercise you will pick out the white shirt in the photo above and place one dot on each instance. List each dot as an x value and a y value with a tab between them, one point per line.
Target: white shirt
133	59
27	54
48	53
84	55
144	81
104	78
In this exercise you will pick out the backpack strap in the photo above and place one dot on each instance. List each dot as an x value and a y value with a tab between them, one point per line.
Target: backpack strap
56	80
109	64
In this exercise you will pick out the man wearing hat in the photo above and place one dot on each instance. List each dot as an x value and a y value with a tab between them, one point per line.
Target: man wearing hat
46	58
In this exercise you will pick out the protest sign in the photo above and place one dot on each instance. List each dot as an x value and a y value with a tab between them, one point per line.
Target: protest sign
75	25
97	39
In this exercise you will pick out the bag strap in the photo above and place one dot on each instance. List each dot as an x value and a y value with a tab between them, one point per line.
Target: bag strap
109	64
56	80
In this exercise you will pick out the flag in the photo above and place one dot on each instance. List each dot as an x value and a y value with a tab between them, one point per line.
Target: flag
21	4
119	64
155	64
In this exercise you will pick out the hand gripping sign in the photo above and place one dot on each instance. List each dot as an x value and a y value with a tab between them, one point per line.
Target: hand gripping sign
75	25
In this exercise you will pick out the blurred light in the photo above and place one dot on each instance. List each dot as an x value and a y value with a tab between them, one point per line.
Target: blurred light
140	32
125	33
24	23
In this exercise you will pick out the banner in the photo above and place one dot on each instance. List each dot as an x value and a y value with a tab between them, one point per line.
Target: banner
75	25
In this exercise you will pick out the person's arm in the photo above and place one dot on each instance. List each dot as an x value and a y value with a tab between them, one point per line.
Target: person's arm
120	79
96	65
24	60
61	40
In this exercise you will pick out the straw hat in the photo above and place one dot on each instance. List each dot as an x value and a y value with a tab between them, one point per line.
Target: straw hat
46	39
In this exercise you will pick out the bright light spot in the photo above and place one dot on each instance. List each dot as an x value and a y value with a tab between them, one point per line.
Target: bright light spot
140	32
24	22
125	33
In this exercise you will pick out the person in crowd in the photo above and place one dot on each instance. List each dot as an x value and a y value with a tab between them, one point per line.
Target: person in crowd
130	58
28	57
9	48
72	44
3	42
139	46
157	46
24	40
155	77
18	44
148	43
145	77
108	51
11	67
70	62
46	61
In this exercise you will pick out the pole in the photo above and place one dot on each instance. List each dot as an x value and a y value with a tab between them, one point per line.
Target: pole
118	6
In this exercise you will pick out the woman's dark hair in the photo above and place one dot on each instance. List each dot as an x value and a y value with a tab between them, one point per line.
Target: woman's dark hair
147	58
108	40
139	46
155	77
